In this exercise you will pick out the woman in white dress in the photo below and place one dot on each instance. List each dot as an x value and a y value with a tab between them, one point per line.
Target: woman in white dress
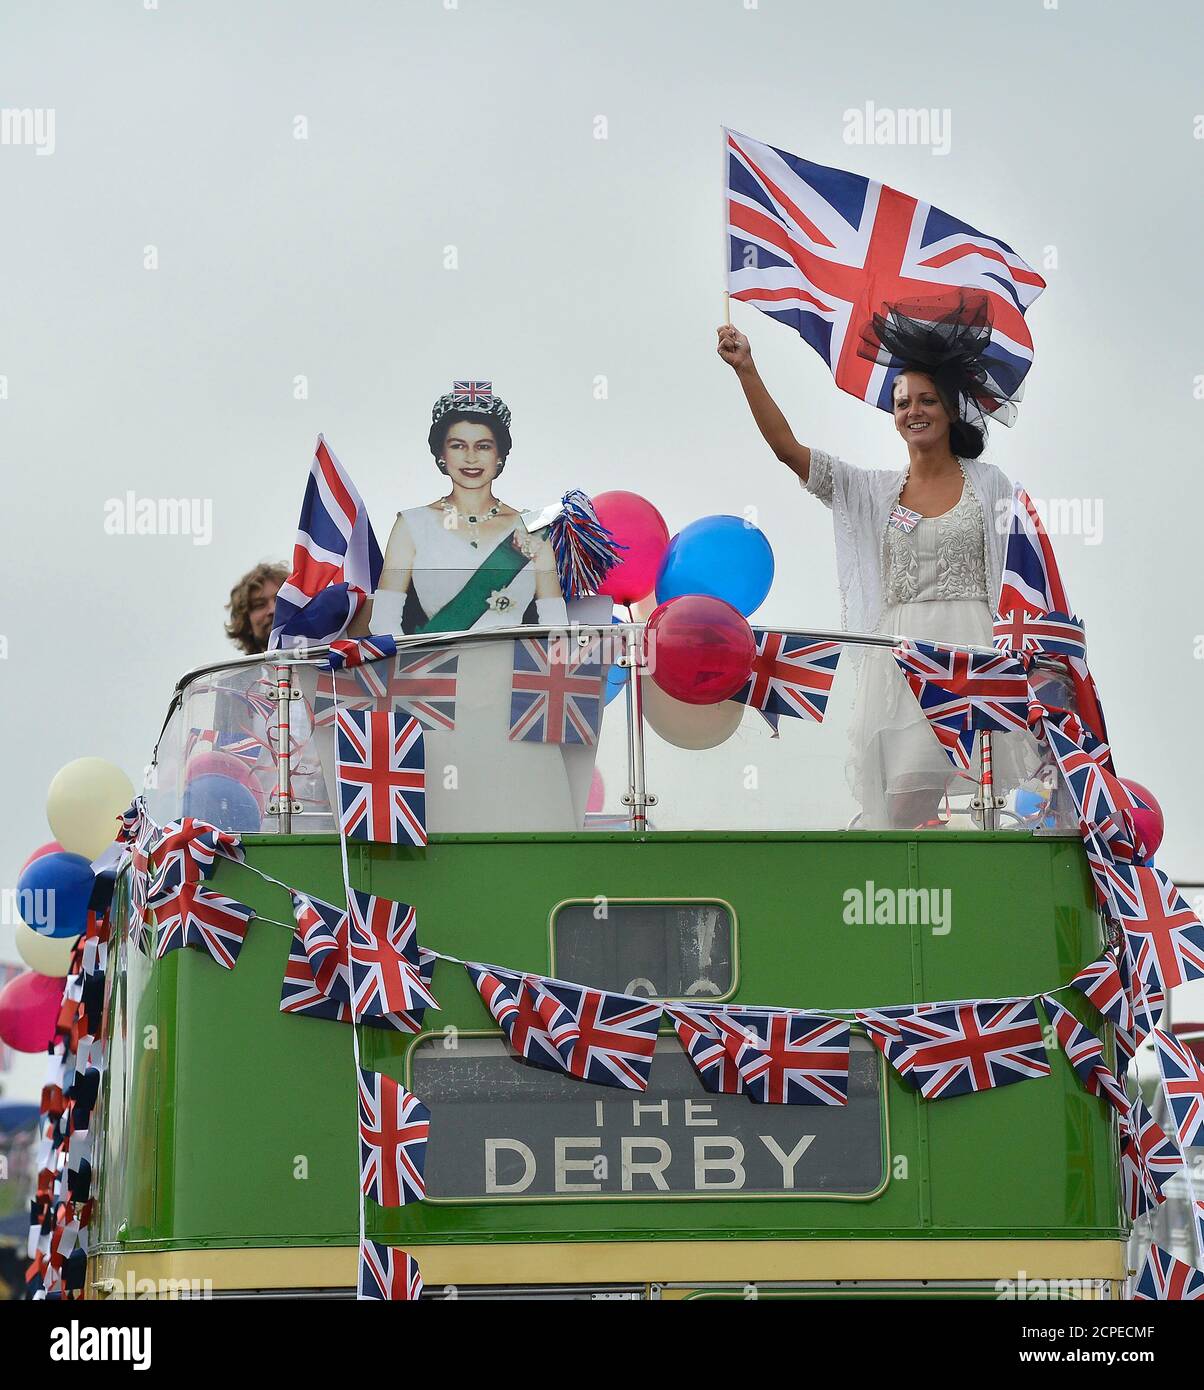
919	554
466	562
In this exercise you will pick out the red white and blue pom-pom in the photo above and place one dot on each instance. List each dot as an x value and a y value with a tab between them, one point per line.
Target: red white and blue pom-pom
585	550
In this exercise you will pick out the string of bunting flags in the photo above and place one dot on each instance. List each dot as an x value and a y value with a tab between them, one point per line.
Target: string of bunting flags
362	962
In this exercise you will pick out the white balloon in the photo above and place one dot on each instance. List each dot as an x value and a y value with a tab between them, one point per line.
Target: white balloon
47	955
85	801
690	726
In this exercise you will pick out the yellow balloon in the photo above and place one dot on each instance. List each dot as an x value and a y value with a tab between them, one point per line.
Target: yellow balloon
690	726
48	955
84	803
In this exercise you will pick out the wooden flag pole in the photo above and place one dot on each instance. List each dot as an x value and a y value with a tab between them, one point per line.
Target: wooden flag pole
727	297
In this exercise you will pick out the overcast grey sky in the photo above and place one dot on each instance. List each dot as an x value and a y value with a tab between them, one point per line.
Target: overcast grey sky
1074	134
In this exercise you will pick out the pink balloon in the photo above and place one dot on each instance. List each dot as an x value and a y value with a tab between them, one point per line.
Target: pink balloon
29	1011
597	793
214	762
50	847
699	649
1149	824
635	523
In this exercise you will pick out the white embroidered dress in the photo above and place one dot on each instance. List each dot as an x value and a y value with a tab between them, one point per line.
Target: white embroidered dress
938	582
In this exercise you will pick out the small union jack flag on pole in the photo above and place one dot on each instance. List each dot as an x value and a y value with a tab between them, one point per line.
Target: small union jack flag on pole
556	692
196	916
381	773
384	958
791	675
974	1047
388	1273
1164	1278
790	1058
394	1127
1183	1086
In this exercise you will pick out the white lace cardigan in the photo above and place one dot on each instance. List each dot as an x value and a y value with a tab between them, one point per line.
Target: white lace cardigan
862	500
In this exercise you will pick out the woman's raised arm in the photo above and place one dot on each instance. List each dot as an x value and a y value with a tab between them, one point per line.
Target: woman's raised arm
735	351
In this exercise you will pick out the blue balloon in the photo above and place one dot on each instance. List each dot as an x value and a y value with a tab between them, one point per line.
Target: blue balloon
1030	803
722	556
53	894
221	801
616	676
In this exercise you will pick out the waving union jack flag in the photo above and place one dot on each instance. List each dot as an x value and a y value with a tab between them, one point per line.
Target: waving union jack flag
336	560
822	250
960	692
791	675
702	1035
349	652
974	1047
1164	1278
790	1058
1085	1053
384	958
196	916
394	1126
1163	934
381	772
554	700
418	684
1183	1086
388	1273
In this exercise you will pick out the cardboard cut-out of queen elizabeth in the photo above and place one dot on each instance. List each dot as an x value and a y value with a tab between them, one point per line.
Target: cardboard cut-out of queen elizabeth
466	560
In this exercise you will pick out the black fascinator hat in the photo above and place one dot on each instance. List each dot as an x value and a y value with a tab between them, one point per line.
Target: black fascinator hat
949	339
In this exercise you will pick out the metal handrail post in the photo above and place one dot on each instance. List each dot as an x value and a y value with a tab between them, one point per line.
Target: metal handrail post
637	791
284	781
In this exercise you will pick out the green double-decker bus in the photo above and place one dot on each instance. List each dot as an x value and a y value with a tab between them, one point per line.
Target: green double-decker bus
738	873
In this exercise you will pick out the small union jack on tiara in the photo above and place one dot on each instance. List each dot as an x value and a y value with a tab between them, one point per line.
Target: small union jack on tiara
475	396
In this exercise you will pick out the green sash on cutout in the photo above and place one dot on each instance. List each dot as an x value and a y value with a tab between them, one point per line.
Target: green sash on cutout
495	571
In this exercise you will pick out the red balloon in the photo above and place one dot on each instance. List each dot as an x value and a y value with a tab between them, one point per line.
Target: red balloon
1149	824
50	847
215	762
635	523
699	649
29	1011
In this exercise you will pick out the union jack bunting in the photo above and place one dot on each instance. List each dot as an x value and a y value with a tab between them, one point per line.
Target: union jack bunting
1147	999
354	651
300	994
790	1058
536	1025
1101	799
884	1029
383	944
1164	935
248	749
554	699
336	560
394	1126
702	1036
196	916
186	852
472	392
1183	1087
960	692
381	773
129	821
974	1047
821	250
1148	1157
1164	1278
322	929
419	684
1100	982
1028	633
388	1273
1085	1053
1033	584
791	675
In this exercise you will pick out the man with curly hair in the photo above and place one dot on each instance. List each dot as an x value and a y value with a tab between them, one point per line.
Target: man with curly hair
252	606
